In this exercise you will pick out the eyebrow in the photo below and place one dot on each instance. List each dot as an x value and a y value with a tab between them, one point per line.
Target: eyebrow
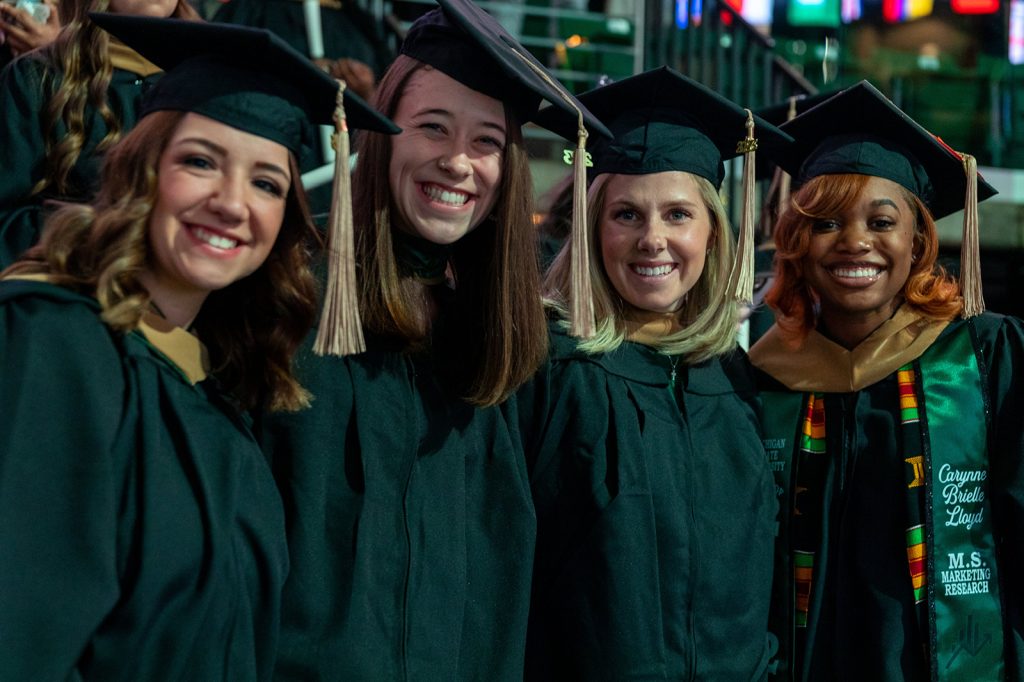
445	112
885	202
221	151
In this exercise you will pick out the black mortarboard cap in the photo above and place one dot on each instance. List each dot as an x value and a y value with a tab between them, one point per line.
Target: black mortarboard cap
860	131
466	43
247	78
663	121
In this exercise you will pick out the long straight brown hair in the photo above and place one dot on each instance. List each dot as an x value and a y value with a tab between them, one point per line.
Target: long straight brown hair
77	80
494	334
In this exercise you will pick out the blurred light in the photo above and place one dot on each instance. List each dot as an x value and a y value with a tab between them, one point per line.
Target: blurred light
813	12
1016	32
975	6
573	41
851	10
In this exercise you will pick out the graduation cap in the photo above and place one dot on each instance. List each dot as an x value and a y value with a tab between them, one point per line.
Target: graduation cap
663	121
253	81
860	131
466	43
779	187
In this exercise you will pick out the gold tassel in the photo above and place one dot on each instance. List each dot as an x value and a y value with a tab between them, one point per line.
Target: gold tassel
970	256
580	290
340	332
742	283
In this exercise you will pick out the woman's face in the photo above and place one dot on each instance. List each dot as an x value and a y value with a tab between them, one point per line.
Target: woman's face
859	261
144	8
445	169
655	231
220	203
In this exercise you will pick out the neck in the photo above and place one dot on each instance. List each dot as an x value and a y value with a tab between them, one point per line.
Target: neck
646	325
178	306
850	329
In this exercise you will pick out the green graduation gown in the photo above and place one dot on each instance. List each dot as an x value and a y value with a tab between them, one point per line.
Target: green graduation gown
862	623
23	99
410	527
142	535
655	516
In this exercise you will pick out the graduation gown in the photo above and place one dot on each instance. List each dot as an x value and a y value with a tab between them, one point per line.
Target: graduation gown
410	527
861	620
655	517
25	88
142	534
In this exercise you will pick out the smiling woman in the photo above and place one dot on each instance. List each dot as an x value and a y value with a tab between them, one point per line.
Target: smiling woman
412	527
879	378
647	468
137	513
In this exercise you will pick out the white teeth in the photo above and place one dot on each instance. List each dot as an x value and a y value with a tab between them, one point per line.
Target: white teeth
656	271
215	240
856	273
446	197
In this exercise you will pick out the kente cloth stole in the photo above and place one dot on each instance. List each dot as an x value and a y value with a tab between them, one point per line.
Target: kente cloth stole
951	558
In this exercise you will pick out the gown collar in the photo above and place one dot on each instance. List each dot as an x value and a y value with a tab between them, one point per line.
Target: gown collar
819	364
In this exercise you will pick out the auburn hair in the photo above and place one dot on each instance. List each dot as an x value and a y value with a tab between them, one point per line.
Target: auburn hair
929	288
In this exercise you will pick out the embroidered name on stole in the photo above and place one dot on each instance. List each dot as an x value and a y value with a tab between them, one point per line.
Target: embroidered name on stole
962	588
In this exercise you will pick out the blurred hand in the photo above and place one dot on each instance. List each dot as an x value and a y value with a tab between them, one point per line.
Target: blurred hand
23	33
357	76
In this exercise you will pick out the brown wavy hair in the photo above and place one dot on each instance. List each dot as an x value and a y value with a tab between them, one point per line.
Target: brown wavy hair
77	81
252	327
495	337
929	288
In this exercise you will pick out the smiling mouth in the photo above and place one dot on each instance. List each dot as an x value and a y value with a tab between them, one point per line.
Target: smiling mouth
217	241
866	273
445	196
652	271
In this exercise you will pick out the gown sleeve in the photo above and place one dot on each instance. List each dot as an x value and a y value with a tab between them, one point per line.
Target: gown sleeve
22	154
1004	353
62	397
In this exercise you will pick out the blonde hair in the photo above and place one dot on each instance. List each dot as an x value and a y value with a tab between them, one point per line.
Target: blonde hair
709	314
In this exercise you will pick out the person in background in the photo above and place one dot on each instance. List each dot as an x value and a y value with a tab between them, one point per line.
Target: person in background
142	531
354	47
653	495
410	523
892	411
22	29
61	108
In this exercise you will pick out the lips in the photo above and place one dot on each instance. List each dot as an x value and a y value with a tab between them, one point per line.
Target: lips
652	269
212	238
855	274
448	197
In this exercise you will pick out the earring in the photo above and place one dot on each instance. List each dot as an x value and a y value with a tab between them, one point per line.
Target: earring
913	258
442	164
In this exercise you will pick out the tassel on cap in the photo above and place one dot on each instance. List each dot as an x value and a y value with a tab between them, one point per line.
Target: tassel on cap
970	256
581	308
742	284
580	291
340	332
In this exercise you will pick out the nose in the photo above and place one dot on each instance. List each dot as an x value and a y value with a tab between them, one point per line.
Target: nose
454	161
652	239
855	238
228	199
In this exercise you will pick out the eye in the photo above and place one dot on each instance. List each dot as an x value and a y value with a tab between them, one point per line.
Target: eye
432	127
882	223
269	186
676	215
492	142
197	161
625	215
825	225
